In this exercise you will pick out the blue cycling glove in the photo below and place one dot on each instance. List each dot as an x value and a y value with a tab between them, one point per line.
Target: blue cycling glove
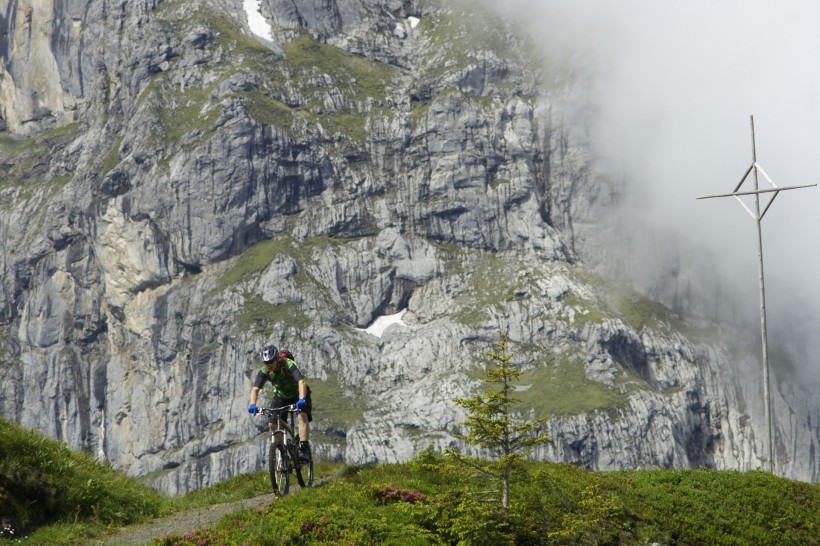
252	409
300	404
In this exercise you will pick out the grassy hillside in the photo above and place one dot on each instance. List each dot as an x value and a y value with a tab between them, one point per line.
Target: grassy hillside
428	501
43	482
425	501
50	494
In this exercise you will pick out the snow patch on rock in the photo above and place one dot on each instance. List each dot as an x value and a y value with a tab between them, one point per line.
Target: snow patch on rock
379	325
258	24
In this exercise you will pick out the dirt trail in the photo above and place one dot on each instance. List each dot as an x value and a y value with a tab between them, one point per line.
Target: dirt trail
191	520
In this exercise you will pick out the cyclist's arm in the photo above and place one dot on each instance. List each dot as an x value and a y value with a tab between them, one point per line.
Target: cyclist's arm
300	380
257	384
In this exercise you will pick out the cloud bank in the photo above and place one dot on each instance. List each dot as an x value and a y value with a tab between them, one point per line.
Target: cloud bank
673	86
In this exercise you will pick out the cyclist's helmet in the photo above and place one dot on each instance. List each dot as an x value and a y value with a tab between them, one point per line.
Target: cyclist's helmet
269	353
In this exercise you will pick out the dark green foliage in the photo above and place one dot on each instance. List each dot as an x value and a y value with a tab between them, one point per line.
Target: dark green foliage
723	507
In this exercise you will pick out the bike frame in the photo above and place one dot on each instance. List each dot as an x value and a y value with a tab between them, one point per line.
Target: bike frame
287	427
289	444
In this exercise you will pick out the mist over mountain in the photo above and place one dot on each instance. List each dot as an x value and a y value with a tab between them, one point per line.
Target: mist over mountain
185	182
671	89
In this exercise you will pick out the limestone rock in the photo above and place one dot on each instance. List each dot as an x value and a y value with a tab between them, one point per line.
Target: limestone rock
177	192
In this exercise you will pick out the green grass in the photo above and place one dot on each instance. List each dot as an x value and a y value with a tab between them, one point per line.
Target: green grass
357	76
470	28
64	496
69	131
343	124
639	311
43	482
730	508
253	261
493	285
112	158
269	111
564	389
12	145
561	388
183	112
585	311
259	316
308	62
27	168
340	405
247	268
633	308
229	33
429	500
240	487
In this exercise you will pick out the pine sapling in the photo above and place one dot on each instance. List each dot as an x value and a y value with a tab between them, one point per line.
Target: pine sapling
491	424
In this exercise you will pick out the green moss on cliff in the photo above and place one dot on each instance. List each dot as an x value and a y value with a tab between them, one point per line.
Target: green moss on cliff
494	284
253	261
583	311
259	316
266	110
358	78
640	312
564	389
559	387
466	30
27	168
112	158
338	408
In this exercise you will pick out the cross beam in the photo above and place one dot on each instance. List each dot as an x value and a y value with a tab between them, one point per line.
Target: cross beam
735	194
756	169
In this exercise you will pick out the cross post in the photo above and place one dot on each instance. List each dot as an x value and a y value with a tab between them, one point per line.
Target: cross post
755	169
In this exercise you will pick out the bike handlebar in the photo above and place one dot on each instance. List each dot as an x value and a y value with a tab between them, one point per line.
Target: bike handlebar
291	408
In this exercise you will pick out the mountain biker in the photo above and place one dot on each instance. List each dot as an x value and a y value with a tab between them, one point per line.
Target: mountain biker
289	387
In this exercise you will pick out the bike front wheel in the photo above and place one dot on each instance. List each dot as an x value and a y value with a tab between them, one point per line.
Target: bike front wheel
304	469
278	467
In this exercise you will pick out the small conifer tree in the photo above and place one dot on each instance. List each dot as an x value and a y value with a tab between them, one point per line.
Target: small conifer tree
491	424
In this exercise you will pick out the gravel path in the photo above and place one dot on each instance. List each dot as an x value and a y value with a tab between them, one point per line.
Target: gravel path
198	518
191	520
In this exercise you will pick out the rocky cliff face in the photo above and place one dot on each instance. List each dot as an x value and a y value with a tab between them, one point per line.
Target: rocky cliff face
180	187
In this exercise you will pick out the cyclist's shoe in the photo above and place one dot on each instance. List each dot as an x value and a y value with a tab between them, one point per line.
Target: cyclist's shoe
304	451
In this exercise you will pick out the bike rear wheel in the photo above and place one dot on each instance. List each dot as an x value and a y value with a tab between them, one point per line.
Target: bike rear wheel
304	470
278	464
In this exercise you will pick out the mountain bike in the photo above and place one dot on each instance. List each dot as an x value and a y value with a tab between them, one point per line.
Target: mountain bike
284	456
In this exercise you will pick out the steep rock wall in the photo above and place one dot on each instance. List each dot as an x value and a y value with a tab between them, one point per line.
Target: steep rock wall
216	191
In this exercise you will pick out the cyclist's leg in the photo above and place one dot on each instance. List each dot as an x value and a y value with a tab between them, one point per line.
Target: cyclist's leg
304	418
304	427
